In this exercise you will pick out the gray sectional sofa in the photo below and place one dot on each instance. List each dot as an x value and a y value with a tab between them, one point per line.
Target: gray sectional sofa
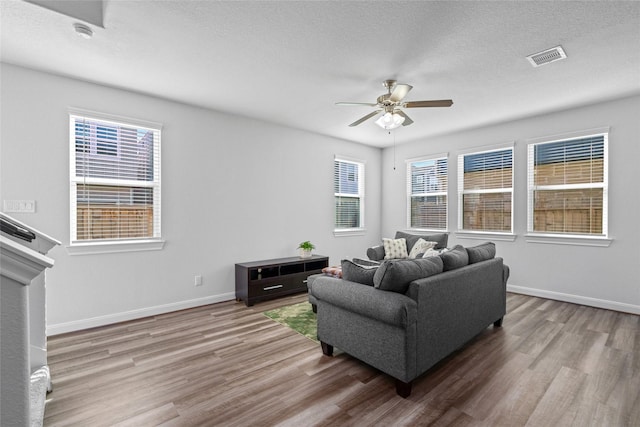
406	315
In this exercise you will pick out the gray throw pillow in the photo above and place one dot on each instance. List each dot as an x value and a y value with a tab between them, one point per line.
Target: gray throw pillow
441	239
376	253
481	252
358	273
454	258
396	274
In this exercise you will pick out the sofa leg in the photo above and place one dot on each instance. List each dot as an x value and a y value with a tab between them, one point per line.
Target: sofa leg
498	323
314	308
327	349
403	389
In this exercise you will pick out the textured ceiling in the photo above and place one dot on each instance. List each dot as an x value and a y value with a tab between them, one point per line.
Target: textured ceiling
288	62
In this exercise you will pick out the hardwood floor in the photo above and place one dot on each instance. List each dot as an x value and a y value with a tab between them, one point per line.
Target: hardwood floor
551	364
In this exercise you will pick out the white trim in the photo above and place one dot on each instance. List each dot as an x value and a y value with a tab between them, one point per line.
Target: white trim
428	157
344	232
119	120
576	299
348	159
569	135
570	239
114	246
92	322
487	148
484	235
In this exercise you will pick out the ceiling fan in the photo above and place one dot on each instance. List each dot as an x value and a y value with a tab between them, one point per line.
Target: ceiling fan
391	103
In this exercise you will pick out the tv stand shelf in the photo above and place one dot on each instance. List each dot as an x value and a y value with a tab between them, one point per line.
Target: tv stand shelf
263	280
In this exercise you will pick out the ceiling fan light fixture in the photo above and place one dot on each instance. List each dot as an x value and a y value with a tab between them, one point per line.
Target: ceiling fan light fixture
390	120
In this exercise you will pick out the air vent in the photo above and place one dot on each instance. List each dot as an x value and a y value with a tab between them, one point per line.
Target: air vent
547	56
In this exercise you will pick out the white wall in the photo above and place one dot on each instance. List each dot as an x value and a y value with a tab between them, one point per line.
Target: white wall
233	190
606	277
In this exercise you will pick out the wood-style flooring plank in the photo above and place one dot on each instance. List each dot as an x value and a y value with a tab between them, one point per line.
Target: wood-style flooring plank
552	363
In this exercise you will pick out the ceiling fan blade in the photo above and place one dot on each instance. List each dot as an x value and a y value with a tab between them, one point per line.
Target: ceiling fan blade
407	119
356	103
399	92
367	117
437	103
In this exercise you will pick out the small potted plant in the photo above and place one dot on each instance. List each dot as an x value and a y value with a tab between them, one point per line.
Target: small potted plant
305	249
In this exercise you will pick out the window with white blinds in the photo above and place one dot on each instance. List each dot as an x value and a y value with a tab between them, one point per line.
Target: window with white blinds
567	182
348	187
115	180
485	190
427	193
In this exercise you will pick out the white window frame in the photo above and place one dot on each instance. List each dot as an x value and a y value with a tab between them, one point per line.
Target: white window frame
483	234
601	240
410	194
361	195
82	247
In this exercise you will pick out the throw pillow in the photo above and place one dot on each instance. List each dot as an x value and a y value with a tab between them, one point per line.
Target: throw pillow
395	275
333	271
420	247
431	252
454	258
358	273
440	238
481	252
395	248
376	253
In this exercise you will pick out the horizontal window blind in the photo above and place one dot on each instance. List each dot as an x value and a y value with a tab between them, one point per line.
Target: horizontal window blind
115	180
427	193
567	186
348	186
485	189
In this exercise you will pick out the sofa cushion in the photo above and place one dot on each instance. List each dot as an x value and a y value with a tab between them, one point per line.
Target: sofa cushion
358	273
395	248
455	257
396	274
420	247
440	238
481	252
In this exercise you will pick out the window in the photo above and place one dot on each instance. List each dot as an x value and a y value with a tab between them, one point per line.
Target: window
427	193
567	181
485	189
115	180
348	188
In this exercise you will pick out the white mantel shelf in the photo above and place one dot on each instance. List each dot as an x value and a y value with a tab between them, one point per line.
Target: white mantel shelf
22	323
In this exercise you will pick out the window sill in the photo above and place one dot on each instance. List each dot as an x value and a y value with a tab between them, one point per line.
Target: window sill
484	235
115	247
350	232
555	239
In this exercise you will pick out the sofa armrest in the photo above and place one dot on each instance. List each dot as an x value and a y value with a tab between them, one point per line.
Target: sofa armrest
388	307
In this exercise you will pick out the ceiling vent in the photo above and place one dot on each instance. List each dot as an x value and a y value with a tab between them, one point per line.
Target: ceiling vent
547	56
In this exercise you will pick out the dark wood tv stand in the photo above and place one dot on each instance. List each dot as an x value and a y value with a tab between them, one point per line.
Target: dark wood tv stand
263	280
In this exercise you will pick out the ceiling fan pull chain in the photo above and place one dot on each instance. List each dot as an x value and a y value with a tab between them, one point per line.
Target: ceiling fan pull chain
394	148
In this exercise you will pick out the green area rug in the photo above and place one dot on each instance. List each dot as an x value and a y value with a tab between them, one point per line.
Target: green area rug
299	317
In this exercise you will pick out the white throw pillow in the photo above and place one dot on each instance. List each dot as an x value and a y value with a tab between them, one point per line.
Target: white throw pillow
431	252
420	247
395	248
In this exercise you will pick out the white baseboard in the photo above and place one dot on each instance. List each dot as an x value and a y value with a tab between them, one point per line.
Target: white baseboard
576	299
77	325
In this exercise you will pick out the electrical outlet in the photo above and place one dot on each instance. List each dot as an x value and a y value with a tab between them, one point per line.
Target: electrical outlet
24	206
198	281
